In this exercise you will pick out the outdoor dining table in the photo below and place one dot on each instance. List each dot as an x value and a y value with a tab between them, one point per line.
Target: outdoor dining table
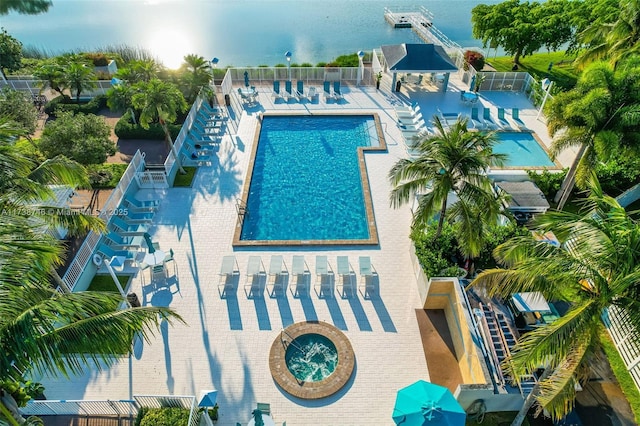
154	259
266	419
470	97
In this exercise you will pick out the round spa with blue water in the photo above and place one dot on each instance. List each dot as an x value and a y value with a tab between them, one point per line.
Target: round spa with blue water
311	360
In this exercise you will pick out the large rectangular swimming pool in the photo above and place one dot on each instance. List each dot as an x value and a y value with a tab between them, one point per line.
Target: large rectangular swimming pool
308	183
523	150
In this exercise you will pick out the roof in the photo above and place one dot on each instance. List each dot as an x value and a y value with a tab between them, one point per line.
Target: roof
525	196
532	301
407	57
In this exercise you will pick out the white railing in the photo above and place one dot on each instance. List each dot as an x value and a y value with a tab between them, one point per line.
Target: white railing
84	254
504	81
152	179
625	339
160	401
34	86
79	408
170	164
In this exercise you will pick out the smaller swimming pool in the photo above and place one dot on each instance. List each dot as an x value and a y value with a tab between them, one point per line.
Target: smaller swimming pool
523	150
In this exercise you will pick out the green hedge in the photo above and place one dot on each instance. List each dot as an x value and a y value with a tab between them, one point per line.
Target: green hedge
65	103
162	417
125	129
105	175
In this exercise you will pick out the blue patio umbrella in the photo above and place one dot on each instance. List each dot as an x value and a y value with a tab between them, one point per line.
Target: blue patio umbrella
473	82
147	239
246	79
208	398
426	404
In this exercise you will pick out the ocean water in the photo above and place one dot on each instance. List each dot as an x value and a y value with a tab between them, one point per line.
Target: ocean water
238	32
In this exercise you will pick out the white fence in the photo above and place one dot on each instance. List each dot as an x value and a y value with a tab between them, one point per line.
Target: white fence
625	338
29	84
83	256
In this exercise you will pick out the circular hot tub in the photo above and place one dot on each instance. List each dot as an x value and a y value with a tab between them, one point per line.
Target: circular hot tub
311	360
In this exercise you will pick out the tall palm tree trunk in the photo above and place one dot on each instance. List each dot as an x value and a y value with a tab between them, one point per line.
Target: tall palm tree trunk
169	140
443	211
59	281
570	180
530	399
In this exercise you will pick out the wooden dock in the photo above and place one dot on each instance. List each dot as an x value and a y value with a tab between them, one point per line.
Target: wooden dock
421	22
93	420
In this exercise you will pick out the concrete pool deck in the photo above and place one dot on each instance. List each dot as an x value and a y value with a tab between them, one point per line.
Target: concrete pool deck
225	343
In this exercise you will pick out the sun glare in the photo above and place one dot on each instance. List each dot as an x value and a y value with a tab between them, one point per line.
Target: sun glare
169	46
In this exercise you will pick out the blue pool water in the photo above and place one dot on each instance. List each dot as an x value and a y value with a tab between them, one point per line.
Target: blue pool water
523	150
306	182
311	357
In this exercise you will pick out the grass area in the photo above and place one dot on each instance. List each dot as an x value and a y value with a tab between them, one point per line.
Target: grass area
563	74
622	375
503	418
105	283
186	179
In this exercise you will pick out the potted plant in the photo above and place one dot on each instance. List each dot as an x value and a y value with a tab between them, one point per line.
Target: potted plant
378	79
213	413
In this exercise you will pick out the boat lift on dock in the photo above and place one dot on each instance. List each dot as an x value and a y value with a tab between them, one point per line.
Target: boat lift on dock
421	22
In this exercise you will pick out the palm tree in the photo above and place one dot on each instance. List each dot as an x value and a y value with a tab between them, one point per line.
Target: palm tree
196	76
615	40
159	101
52	76
42	330
451	160
120	98
80	78
139	70
597	266
600	117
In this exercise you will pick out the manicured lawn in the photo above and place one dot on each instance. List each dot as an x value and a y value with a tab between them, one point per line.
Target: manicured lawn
564	75
105	283
624	378
186	179
503	418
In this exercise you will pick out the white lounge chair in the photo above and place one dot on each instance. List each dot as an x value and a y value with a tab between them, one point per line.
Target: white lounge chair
228	271
311	93
324	277
346	275
367	274
277	272
302	276
255	274
337	91
277	93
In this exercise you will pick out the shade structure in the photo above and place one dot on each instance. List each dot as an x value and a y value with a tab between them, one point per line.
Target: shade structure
246	78
426	404
208	398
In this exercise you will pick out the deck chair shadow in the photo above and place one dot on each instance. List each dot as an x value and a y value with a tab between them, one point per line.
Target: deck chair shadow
475	119
337	92
229	276
325	278
515	116
278	276
288	91
368	277
502	120
346	276
302	276
299	92
487	120
256	274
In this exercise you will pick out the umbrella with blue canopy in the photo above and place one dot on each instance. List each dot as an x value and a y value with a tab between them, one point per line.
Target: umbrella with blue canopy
246	79
208	398
147	239
426	404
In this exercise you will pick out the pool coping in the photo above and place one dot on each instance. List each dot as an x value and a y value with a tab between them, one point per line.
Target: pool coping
311	390
364	179
542	145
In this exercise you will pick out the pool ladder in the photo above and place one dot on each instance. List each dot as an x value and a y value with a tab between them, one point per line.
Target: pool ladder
241	210
291	341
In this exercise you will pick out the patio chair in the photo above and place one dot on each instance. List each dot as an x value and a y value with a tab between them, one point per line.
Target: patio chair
311	93
207	124
410	120
277	272
276	90
134	203
367	274
345	272
515	115
211	110
502	121
123	242
324	277
228	271
300	271
300	90
158	273
123	228
255	272
288	90
487	120
327	91
198	129
110	252
337	93
138	217
265	408
475	118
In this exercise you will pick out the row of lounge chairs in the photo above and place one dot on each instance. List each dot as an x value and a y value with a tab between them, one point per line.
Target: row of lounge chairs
205	135
486	122
299	93
276	280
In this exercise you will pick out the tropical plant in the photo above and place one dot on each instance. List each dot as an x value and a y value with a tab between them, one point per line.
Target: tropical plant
196	75
52	75
27	7
453	160
18	107
597	266
10	52
160	102
139	70
80	78
600	117
84	138
120	99
613	41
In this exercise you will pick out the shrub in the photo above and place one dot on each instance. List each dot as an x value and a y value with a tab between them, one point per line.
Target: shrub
125	129
475	59
436	254
65	104
162	416
105	175
618	175
549	183
98	59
